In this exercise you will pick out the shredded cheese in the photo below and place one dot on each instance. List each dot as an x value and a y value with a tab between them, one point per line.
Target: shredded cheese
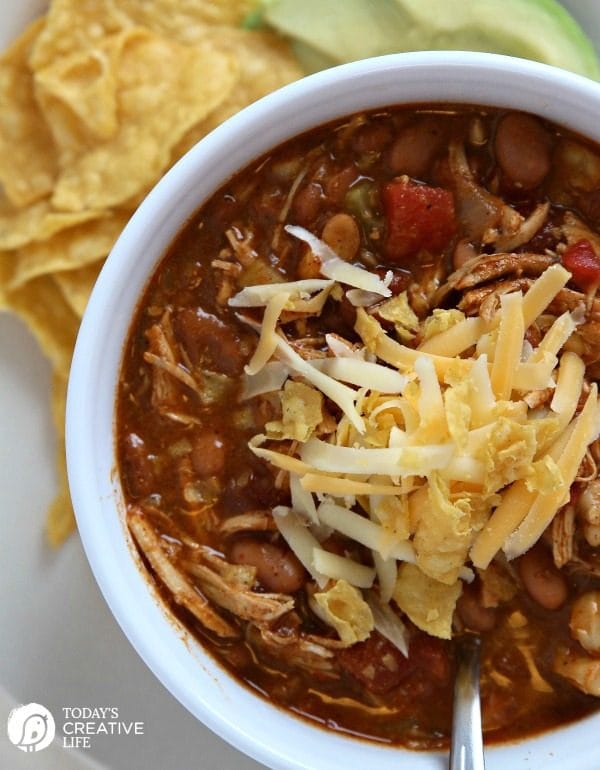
364	374
341	568
259	295
342	395
545	506
335	268
299	538
456	339
445	448
542	292
267	342
509	345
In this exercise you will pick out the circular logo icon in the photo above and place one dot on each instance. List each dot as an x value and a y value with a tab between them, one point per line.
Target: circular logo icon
31	727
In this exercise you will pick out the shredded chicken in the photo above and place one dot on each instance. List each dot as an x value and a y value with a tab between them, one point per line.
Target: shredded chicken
182	590
229	587
253	521
312	653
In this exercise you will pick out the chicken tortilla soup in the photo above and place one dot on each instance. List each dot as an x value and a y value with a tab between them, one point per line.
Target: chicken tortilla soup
358	417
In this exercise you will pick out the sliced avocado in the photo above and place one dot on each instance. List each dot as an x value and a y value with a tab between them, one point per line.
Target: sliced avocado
346	30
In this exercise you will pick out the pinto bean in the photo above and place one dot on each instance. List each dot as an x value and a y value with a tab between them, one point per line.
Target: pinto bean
208	454
137	466
341	233
542	580
337	185
415	147
523	149
307	203
277	569
473	614
372	137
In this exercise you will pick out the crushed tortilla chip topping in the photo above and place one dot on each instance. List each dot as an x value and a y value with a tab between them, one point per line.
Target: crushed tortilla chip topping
427	602
302	412
344	608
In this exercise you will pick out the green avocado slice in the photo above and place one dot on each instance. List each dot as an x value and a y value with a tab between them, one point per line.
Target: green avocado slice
328	32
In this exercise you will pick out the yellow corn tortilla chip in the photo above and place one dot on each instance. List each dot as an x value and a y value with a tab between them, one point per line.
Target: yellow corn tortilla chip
344	608
76	25
443	530
440	321
398	311
163	89
78	95
41	305
60	521
265	64
76	285
68	249
186	20
36	222
427	602
28	159
302	411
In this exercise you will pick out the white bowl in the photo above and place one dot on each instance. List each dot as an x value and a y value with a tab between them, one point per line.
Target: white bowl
266	733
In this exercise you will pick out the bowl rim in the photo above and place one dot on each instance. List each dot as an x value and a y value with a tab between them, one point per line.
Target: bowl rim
268	734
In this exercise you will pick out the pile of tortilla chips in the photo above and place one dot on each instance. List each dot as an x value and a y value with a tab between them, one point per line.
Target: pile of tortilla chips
97	100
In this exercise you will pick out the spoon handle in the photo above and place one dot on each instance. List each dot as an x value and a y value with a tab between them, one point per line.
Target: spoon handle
466	751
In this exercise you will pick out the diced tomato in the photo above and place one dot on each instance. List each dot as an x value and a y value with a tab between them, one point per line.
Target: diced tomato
583	263
417	217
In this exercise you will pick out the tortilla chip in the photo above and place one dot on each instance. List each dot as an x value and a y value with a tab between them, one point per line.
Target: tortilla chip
344	608
76	285
302	411
187	20
60	521
36	222
441	320
443	531
163	89
69	249
265	64
76	25
42	306
398	311
509	452
457	401
78	95
28	159
427	602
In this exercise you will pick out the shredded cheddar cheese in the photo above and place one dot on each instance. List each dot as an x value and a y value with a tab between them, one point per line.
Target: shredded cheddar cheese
436	460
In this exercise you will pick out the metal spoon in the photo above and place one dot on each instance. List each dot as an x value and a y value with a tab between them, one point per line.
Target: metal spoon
466	749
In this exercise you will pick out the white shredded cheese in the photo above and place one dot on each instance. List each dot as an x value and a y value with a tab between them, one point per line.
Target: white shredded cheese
404	461
270	378
299	539
342	395
341	568
335	268
364	374
259	295
267	342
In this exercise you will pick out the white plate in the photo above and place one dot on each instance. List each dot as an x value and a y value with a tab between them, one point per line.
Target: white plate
59	644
